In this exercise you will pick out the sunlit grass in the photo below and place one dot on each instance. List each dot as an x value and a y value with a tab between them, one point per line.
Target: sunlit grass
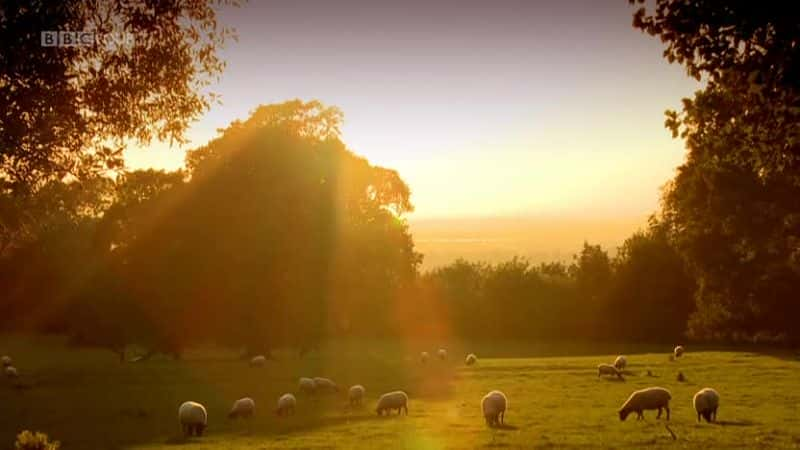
86	399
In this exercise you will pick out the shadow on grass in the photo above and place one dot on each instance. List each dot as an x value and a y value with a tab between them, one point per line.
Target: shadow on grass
505	427
323	422
287	429
735	423
181	440
614	379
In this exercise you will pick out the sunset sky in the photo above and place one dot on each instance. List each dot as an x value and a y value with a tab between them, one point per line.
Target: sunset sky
501	108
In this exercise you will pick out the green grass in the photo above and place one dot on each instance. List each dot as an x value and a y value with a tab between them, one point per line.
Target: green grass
86	399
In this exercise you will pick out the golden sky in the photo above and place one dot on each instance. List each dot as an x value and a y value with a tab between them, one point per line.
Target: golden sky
505	108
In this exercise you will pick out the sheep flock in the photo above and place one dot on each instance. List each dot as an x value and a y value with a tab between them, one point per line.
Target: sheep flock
193	416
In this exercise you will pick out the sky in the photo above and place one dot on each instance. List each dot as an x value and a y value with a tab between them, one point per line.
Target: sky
510	108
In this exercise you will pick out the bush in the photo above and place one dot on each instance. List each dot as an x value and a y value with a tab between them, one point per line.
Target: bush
28	440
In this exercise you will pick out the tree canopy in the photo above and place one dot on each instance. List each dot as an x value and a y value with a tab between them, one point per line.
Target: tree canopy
732	209
67	111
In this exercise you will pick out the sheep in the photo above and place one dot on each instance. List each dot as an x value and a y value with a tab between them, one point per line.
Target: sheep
649	398
286	405
608	369
706	402
423	357
307	386
325	385
494	408
392	400
244	407
678	352
11	372
258	361
356	394
621	362
193	418
471	359
442	353
5	360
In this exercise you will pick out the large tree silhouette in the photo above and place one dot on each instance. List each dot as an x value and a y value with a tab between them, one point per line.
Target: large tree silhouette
732	209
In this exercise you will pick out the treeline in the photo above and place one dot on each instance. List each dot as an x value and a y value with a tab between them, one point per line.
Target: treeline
644	293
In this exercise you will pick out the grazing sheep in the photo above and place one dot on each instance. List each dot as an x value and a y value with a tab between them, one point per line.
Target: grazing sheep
649	398
5	360
356	395
193	418
706	402
494	408
11	372
258	361
471	359
307	386
621	362
442	353
244	408
423	357
325	385
608	369
678	352
393	400
286	405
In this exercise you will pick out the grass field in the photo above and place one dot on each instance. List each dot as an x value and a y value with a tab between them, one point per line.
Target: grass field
88	400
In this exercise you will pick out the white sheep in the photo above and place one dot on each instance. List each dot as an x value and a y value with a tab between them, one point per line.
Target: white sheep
307	386
442	354
11	372
621	362
392	400
193	418
244	408
258	361
493	406
649	398
678	352
471	359
325	385
5	360
286	405
356	394
423	357
706	402
608	369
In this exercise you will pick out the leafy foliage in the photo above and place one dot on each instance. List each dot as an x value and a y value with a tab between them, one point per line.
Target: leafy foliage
277	234
67	110
27	440
732	209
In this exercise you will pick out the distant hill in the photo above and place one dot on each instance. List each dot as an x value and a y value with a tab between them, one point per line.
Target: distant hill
501	238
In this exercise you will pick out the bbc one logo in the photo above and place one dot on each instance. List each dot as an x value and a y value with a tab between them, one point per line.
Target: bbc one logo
85	39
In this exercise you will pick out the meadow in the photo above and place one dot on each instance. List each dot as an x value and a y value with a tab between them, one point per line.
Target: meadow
88	400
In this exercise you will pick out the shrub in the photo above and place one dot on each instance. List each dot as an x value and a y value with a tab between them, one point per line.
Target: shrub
28	440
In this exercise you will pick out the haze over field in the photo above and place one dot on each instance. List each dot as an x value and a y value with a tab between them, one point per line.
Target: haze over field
495	239
551	112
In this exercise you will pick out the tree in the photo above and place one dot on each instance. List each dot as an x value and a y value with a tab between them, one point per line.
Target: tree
279	235
732	210
750	56
736	232
68	110
592	270
652	291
